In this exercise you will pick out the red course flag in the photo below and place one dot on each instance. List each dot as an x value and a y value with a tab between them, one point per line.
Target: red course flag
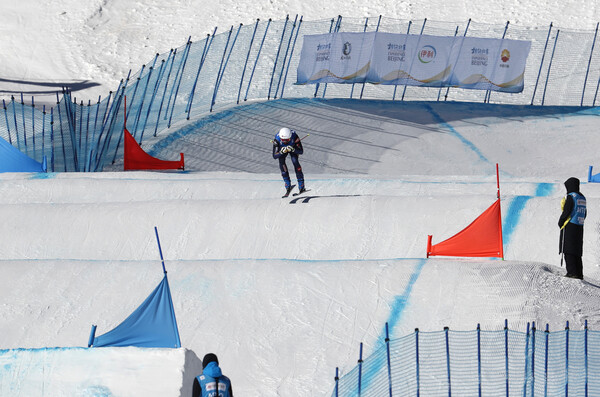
136	159
482	238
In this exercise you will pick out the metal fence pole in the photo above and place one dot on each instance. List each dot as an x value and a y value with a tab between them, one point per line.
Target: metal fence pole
488	92
413	60
287	49
550	66
287	18
256	60
246	62
291	54
587	71
542	63
389	366
363	84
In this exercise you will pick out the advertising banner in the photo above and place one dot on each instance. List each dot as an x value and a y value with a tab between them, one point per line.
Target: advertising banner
417	60
490	64
410	59
335	58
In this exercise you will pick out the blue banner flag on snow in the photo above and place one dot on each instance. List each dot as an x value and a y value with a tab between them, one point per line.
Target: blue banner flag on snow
152	324
12	160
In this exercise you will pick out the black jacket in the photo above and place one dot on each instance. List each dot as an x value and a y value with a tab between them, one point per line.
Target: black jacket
571	236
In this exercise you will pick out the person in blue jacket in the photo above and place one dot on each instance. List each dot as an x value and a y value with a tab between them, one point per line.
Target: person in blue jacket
286	143
574	211
212	382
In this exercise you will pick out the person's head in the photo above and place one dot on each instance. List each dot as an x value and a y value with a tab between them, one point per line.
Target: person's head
572	185
209	358
285	134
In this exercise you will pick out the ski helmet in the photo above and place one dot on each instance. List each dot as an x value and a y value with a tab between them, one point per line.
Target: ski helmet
285	133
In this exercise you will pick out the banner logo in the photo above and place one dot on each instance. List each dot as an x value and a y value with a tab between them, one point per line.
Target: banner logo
347	48
427	54
505	55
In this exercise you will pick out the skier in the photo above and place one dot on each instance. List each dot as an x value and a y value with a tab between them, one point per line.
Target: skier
212	382
287	142
570	222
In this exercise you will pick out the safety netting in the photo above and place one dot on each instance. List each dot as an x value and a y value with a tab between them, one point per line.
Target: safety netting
480	363
259	62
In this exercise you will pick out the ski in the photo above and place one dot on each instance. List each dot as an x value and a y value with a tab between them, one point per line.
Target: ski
300	192
288	191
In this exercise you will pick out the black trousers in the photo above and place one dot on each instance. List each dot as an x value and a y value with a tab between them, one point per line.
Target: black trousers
574	265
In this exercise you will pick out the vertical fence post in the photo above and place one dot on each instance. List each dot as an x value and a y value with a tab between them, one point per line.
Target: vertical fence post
526	362
479	360
12	99
287	50
506	354
389	365
291	54
587	71
162	101
488	92
550	66
447	61
362	89
87	135
413	60
208	39
458	55
24	128
417	361
287	18
33	123
139	112
318	84
567	360
154	91
6	118
407	33
246	62
547	334
257	58
364	30
541	63
177	78
533	348
52	139
585	342
214	100
360	361
183	63
62	137
43	128
337	379
446	334
338	24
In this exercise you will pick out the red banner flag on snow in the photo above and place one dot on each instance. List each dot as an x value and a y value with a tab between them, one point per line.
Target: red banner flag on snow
136	159
482	238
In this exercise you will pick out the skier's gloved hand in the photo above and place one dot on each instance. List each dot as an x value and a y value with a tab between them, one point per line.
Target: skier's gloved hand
285	149
291	149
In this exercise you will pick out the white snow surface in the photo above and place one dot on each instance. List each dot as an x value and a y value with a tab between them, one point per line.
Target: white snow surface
282	290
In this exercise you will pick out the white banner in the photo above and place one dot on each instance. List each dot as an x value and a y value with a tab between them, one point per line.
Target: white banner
335	58
419	60
410	59
490	64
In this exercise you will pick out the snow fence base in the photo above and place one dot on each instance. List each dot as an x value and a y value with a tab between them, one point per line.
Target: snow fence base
105	371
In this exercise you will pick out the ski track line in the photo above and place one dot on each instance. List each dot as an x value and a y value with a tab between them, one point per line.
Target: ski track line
515	208
464	140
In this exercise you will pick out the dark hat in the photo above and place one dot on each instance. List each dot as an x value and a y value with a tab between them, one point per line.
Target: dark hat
572	185
209	358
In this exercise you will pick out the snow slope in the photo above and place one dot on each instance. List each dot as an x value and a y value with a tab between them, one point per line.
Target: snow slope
282	290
